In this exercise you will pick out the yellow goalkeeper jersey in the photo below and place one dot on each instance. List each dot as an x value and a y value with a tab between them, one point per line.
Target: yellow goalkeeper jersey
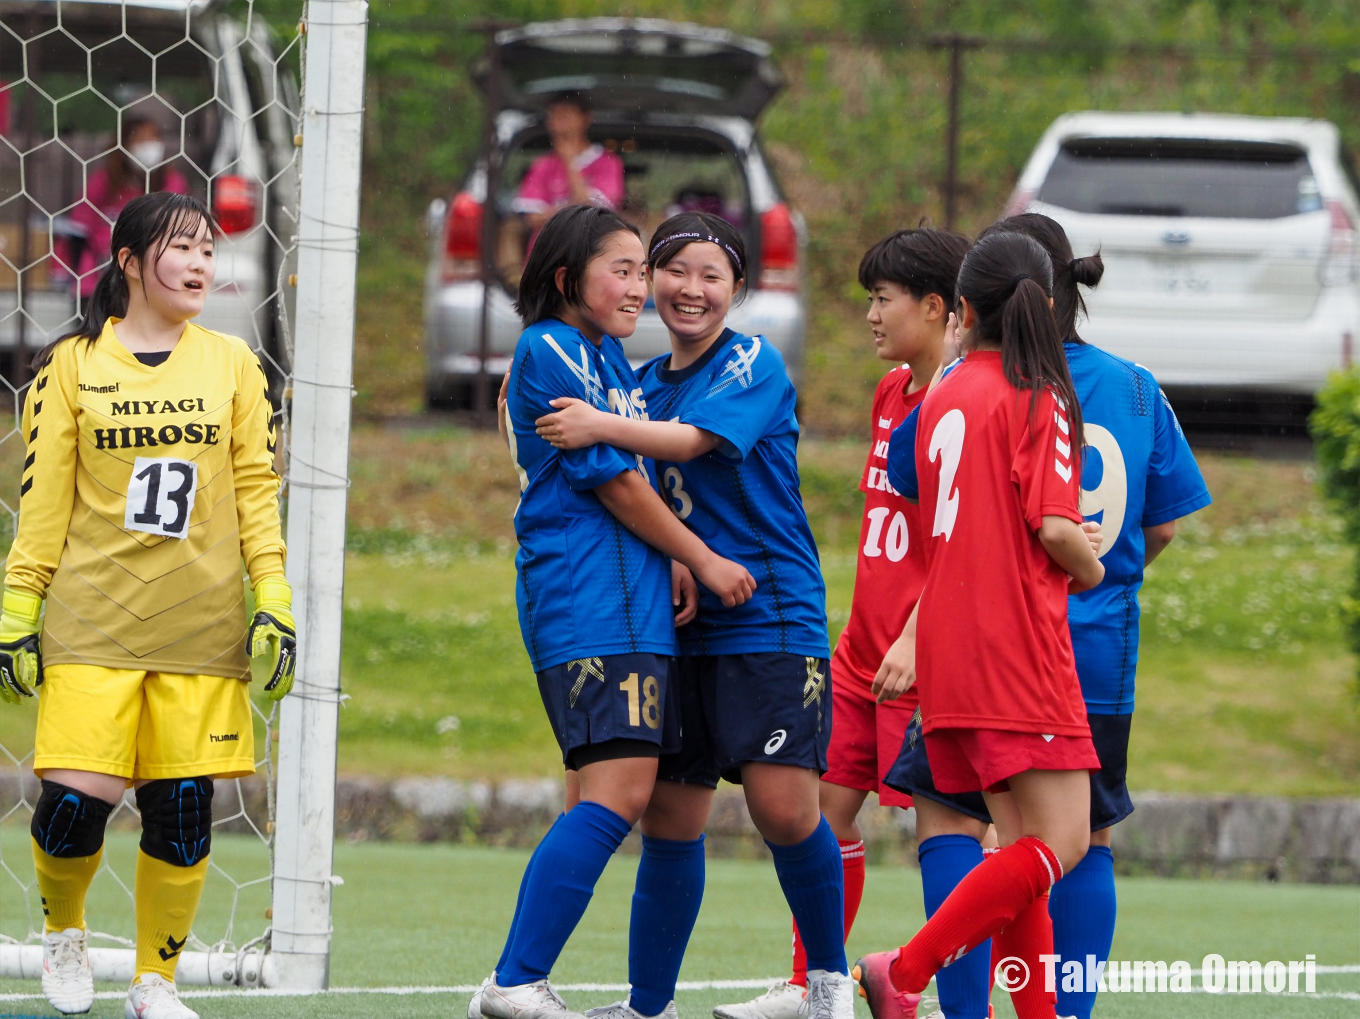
143	490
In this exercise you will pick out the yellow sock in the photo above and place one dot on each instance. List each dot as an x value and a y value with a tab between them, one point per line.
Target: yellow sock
167	899
62	883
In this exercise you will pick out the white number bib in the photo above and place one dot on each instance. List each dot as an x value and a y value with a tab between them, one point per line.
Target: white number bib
160	496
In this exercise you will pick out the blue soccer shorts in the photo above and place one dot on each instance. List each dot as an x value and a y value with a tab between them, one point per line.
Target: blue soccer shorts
734	709
612	706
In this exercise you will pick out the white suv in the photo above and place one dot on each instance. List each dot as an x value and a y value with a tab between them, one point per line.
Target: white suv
1229	242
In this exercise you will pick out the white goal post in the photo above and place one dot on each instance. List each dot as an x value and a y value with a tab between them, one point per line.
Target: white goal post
323	370
281	173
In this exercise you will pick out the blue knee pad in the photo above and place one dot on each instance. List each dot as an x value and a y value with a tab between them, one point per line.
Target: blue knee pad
176	819
68	823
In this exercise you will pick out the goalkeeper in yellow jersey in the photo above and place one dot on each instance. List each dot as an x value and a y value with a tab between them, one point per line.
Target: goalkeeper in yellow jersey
148	481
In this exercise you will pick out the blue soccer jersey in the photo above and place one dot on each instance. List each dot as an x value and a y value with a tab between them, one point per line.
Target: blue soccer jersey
586	586
742	498
1138	472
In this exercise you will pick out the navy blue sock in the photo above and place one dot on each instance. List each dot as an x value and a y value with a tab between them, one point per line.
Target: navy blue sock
519	901
557	888
1083	907
670	887
963	986
813	880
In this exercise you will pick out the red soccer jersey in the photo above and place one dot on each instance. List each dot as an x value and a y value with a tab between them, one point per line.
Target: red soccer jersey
892	566
993	650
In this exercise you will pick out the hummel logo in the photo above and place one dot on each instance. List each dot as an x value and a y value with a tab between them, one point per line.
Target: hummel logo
226	737
174	946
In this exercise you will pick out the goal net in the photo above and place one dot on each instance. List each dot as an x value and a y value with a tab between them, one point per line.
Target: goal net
101	100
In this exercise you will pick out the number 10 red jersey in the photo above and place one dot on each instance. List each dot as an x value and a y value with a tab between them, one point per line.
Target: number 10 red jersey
891	566
993	649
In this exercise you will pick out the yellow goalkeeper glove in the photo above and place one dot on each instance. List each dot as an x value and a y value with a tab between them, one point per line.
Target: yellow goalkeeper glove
272	639
20	653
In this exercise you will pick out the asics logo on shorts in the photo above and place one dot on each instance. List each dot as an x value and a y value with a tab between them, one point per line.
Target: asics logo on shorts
775	741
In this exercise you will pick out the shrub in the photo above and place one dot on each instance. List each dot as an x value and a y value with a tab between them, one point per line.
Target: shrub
1335	425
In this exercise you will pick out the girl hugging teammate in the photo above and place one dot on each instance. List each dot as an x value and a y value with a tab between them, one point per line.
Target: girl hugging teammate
998	454
754	690
599	558
149	480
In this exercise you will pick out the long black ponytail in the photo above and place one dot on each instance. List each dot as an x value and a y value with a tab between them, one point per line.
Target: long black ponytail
1068	272
145	226
1008	279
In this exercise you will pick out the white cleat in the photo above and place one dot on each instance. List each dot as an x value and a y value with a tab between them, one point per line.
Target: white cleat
151	996
538	1000
829	995
625	1010
783	1000
474	1010
67	980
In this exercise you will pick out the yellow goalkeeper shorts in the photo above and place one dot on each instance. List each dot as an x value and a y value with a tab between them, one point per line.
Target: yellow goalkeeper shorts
143	725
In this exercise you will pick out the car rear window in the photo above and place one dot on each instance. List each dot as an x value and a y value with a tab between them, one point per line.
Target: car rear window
1181	177
664	172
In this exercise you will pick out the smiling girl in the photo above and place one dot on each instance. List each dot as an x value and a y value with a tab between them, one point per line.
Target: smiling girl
149	480
755	697
594	590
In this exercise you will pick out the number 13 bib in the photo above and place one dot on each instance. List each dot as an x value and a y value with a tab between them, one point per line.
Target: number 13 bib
160	497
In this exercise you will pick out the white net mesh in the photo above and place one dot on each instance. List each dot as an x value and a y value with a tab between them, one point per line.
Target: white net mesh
101	101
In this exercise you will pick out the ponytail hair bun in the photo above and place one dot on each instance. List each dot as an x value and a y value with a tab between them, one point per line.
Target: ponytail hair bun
1087	271
1068	272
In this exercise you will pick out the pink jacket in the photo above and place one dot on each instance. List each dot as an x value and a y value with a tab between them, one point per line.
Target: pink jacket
97	214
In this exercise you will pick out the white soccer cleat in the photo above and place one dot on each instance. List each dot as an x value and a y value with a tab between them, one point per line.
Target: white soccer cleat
474	1010
829	995
538	1000
67	980
151	996
783	1000
624	1010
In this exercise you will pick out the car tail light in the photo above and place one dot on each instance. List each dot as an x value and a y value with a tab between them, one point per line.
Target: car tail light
1019	202
778	249
1339	266
235	204
463	239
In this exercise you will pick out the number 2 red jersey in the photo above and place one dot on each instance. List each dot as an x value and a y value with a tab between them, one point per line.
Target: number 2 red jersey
891	568
993	650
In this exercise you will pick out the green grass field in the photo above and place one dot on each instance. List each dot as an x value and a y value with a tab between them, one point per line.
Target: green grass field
422	915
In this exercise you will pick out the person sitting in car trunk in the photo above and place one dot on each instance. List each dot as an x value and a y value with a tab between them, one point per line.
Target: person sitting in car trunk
575	172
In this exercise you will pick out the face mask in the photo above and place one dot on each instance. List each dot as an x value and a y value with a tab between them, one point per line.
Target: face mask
148	153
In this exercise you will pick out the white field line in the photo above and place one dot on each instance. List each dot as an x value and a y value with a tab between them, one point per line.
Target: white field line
683	985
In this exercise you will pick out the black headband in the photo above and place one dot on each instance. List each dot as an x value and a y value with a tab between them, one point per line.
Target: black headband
693	235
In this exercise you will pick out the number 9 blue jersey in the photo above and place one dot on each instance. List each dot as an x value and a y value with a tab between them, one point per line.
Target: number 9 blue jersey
1138	472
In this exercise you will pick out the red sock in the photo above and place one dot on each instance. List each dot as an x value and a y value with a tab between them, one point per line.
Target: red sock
1027	937
992	895
852	860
